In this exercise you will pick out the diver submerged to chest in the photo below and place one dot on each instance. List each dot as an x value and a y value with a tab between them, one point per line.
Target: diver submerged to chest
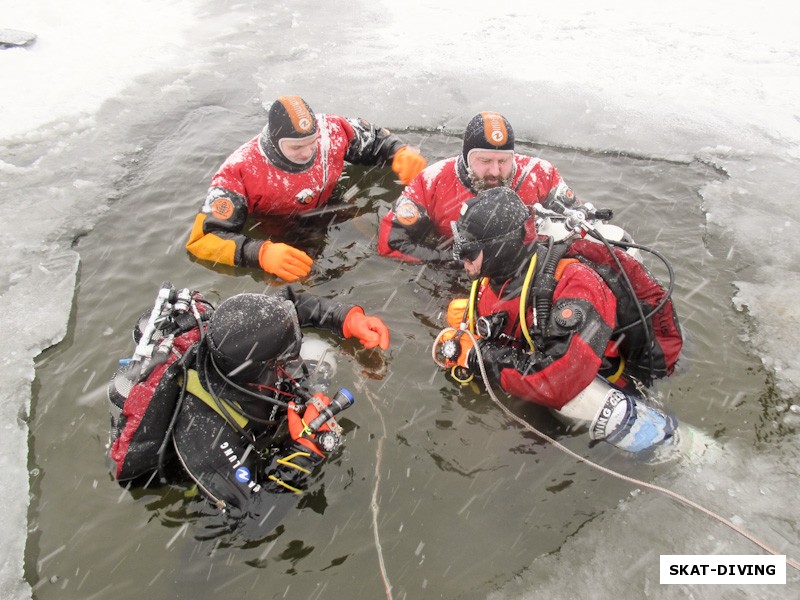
233	399
574	325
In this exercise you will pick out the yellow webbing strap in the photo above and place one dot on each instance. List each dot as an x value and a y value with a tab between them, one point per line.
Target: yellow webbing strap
194	387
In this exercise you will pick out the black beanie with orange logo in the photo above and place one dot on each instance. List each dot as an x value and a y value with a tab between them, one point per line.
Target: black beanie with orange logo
487	131
290	117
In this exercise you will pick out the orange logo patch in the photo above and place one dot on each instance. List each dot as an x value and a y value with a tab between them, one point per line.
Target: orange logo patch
222	208
302	120
406	213
494	128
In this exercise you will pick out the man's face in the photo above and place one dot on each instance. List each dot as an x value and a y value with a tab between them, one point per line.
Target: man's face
490	168
473	267
299	151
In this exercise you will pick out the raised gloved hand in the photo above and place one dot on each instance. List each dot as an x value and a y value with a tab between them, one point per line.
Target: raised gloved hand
370	331
298	426
407	163
285	261
457	312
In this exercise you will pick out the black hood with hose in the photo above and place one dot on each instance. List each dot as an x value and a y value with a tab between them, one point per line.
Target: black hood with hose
494	222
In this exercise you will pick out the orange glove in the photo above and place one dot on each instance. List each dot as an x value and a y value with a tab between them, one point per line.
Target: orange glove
284	261
370	331
457	312
298	427
407	163
454	349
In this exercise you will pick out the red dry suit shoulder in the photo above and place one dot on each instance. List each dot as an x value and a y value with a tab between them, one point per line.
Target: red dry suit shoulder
650	353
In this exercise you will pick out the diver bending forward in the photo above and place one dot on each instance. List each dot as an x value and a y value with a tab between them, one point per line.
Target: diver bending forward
221	398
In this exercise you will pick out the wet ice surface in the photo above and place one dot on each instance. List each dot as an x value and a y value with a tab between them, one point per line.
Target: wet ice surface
448	459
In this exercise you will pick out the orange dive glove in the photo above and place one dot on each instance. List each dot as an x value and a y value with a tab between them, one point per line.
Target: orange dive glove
298	426
283	260
370	331
407	163
457	312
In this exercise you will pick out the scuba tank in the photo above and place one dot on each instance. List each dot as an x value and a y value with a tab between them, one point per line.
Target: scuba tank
143	392
631	421
621	417
320	360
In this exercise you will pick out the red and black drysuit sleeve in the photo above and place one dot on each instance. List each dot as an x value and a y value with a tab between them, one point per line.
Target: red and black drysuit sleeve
577	332
417	230
407	233
371	145
316	311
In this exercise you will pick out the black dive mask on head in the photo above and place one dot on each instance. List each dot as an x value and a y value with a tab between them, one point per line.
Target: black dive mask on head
492	222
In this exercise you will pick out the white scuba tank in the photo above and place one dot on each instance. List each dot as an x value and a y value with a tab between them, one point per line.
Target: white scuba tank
631	422
558	230
619	417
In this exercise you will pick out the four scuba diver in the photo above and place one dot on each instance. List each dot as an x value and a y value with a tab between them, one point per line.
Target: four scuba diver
224	397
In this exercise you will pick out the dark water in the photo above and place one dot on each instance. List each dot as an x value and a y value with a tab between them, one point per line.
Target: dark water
464	499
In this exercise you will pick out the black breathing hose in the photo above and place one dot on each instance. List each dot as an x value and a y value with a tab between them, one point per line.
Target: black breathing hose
670	287
543	303
629	286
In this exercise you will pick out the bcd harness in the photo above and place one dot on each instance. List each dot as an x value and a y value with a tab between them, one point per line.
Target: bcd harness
537	291
233	414
230	412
